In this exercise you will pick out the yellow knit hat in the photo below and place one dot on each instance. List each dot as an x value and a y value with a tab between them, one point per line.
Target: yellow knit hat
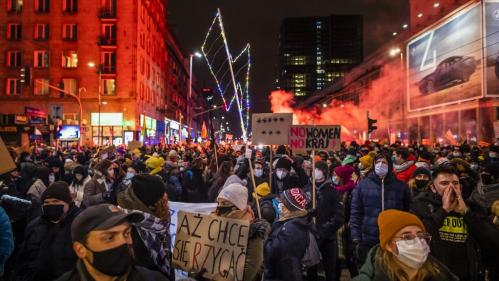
391	221
155	163
262	190
367	160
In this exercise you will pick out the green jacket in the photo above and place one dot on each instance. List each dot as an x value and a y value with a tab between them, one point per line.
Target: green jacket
371	270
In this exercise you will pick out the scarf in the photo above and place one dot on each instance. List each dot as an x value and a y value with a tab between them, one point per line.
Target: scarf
347	186
404	166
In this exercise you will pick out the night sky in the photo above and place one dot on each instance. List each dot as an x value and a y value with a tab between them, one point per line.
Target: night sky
258	22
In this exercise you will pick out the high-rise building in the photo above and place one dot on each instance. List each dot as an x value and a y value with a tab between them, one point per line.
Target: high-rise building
314	51
110	52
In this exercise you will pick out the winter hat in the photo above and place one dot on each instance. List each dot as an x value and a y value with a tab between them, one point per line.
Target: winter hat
262	190
322	165
234	179
80	170
295	199
425	156
236	194
441	161
283	163
148	188
344	172
391	221
69	165
421	171
461	165
348	160
155	163
58	190
367	160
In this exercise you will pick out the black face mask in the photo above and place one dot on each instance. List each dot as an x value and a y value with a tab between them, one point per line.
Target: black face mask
53	212
421	184
113	262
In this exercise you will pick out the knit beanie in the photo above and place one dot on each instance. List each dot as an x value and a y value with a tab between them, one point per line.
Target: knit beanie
283	163
58	190
422	171
344	172
148	188
155	163
348	160
295	199
236	194
391	221
233	179
262	190
367	160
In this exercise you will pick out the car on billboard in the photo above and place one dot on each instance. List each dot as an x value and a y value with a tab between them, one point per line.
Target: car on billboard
451	71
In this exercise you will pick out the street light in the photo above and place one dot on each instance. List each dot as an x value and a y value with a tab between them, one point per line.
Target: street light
99	70
394	51
198	55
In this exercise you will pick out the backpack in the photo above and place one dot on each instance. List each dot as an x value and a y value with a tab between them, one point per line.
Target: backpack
312	254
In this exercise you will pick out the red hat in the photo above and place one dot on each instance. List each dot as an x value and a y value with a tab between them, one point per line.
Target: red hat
344	172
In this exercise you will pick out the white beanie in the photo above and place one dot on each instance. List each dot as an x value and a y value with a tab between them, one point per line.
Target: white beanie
235	193
233	179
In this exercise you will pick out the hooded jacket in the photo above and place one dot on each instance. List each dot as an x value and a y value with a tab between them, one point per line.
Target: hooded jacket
453	235
193	187
372	270
372	196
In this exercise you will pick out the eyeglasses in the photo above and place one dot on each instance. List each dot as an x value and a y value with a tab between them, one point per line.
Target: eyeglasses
411	237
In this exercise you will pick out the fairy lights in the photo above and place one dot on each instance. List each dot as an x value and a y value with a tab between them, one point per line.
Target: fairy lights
231	75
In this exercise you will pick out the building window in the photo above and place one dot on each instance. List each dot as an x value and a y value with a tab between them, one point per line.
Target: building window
69	59
108	36
14	58
14	6
42	6
41	87
69	32
108	9
41	59
70	85
70	6
41	32
108	62
13	87
109	87
142	63
14	31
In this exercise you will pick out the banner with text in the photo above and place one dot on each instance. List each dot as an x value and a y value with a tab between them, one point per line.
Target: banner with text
214	243
302	138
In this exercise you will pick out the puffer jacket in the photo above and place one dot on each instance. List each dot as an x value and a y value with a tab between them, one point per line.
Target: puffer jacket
47	251
373	271
370	198
6	239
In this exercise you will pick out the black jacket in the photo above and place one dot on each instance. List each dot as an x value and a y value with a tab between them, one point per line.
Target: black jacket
330	212
454	236
137	273
193	187
47	251
300	179
266	208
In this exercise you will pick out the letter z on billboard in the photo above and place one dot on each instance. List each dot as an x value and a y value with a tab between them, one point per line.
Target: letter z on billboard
445	62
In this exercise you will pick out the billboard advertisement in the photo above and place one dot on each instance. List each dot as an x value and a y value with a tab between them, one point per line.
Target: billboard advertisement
445	62
491	43
70	133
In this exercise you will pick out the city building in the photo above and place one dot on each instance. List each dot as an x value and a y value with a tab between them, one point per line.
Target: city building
314	51
413	100
425	13
110	53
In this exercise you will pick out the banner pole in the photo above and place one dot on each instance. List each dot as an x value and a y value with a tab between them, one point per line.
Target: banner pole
270	173
314	195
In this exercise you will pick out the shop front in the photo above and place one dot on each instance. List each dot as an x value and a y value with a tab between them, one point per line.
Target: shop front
107	128
149	130
172	131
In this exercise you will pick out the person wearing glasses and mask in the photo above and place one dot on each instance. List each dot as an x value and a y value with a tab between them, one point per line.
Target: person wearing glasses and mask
455	228
403	253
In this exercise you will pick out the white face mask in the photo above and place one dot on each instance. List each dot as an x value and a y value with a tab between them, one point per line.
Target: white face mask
381	169
258	173
281	174
413	253
319	175
336	179
51	178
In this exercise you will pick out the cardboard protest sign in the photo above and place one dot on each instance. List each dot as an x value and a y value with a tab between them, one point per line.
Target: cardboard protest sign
214	243
271	128
134	144
6	162
315	137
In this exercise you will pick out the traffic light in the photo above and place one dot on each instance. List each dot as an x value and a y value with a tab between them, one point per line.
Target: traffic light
371	125
25	75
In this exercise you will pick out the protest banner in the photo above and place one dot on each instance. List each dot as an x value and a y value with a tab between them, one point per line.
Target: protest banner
213	243
302	138
6	162
271	128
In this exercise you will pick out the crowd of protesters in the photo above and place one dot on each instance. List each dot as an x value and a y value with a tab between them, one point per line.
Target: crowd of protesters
378	212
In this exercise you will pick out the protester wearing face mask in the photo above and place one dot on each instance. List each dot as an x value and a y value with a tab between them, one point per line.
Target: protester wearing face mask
467	177
452	224
403	253
379	191
261	175
282	179
419	181
366	163
46	252
80	179
102	241
330	217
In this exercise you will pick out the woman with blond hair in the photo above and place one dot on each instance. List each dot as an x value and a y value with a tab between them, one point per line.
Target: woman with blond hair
403	252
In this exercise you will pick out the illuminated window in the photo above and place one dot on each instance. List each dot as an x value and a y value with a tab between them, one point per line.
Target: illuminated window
69	59
14	58
41	87
70	85
69	32
42	6
298	60
109	87
41	59
14	6
69	6
41	32
13	86
14	31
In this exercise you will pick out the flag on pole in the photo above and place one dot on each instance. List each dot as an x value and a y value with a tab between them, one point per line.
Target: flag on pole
204	131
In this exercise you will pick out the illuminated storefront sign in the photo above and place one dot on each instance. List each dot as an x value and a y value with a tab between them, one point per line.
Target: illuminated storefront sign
107	119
